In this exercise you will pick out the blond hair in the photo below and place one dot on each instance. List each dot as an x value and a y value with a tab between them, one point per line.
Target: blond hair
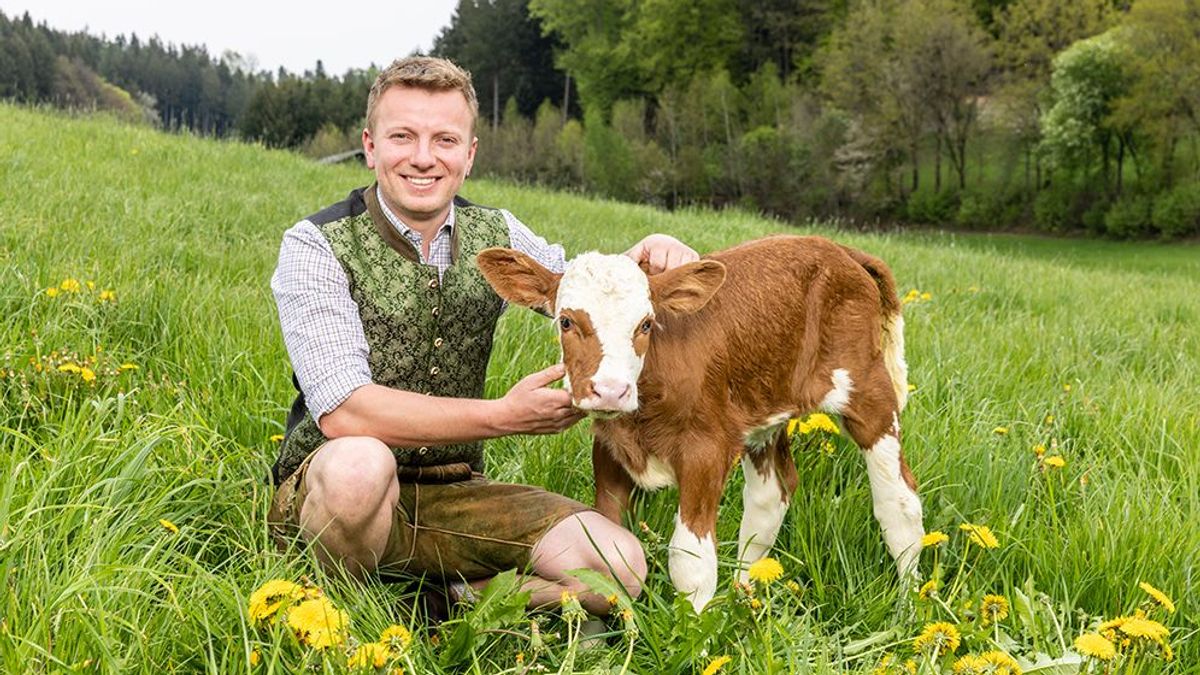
423	72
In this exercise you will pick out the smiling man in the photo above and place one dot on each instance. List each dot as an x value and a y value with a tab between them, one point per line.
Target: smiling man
389	325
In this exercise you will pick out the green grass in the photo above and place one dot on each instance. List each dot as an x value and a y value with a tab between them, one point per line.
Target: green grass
185	232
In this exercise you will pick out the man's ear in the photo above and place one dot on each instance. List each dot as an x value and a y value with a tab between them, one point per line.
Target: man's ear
519	278
686	288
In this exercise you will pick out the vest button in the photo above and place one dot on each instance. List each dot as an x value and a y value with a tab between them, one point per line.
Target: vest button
434	371
437	342
433	283
435	311
422	450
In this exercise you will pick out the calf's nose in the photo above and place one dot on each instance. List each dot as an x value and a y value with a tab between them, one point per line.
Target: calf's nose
611	393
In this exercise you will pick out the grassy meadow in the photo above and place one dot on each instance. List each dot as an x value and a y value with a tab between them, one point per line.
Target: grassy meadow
139	398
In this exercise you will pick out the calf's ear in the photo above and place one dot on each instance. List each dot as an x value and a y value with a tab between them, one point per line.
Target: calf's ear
519	279
687	288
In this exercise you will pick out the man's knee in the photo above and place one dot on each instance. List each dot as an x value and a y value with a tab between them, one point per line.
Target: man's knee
609	548
350	478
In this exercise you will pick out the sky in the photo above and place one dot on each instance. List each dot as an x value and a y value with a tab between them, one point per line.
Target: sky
344	35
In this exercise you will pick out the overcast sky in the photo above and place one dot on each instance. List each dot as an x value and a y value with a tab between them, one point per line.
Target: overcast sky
349	34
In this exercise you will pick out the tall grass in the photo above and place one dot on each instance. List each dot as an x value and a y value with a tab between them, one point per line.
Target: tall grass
1088	348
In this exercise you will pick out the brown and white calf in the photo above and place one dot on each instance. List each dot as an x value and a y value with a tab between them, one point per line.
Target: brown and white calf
688	370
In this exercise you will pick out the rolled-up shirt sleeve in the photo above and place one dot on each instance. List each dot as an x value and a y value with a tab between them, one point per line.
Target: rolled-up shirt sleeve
320	321
521	238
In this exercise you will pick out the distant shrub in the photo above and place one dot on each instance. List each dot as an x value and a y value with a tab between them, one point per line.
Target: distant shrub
1129	216
990	210
1057	208
1176	213
935	208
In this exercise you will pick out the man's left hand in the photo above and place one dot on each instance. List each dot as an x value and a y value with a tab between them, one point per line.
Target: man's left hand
661	252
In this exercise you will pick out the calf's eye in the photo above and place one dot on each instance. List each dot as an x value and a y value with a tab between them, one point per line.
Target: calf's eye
564	323
645	327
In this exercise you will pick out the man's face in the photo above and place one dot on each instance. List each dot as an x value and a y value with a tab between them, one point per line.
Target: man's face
421	147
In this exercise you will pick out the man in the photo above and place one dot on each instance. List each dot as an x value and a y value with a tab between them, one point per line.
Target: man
389	325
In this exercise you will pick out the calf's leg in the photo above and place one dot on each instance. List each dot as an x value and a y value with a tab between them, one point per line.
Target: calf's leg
770	481
692	562
613	483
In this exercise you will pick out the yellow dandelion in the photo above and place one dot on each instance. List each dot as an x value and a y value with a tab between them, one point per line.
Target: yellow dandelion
68	368
822	422
765	571
1039	450
827	448
927	589
396	671
910	667
926	296
52	292
70	285
318	623
612	600
127	366
370	655
943	637
168	525
520	658
980	535
396	637
275	438
970	665
1055	461
1138	627
911	387
1000	431
911	296
91	285
1066	388
87	374
993	608
1001	662
567	597
935	538
270	597
1049	419
716	664
884	666
793	586
755	604
1096	646
255	658
1158	596
107	296
795	426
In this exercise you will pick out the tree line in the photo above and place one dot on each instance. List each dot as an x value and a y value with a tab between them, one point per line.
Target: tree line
1062	116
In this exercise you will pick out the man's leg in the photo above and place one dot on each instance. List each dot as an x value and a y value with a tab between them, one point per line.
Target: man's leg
351	495
585	540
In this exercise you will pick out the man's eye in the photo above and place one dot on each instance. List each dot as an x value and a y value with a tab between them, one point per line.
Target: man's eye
564	323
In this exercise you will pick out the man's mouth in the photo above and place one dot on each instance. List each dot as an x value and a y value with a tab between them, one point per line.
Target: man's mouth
421	181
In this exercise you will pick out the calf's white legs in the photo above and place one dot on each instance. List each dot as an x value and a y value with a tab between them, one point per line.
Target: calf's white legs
693	564
764	506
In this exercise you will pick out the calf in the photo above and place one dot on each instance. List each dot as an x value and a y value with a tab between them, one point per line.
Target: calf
687	371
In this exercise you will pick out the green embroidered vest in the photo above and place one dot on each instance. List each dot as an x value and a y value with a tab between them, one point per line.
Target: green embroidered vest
425	335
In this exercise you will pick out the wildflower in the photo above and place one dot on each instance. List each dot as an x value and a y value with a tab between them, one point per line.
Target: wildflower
275	438
993	608
68	368
970	665
935	538
396	671
827	448
169	526
1039	450
1066	388
127	366
1158	596
52	292
910	666
755	604
1002	662
87	374
911	387
793	586
91	285
1000	431
520	658
943	637
716	664
612	600
370	655
107	296
980	535
318	623
884	665
821	421
765	571
1055	461
926	296
1095	646
270	597
927	589
1049	419
1138	627
70	285
396	637
911	296
255	658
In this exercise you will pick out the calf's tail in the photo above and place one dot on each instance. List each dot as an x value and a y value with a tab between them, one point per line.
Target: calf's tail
893	322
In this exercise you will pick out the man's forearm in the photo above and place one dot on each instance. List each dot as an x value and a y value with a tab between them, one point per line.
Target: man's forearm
407	419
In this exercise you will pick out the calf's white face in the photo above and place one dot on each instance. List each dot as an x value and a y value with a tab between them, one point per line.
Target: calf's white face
604	307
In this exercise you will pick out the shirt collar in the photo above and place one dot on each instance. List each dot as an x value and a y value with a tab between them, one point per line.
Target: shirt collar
404	229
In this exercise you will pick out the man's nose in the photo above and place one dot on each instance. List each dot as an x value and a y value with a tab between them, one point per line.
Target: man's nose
423	155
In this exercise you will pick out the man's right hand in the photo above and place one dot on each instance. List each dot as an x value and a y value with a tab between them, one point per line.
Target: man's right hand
532	407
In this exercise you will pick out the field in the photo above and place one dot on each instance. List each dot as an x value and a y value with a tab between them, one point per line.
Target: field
143	378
